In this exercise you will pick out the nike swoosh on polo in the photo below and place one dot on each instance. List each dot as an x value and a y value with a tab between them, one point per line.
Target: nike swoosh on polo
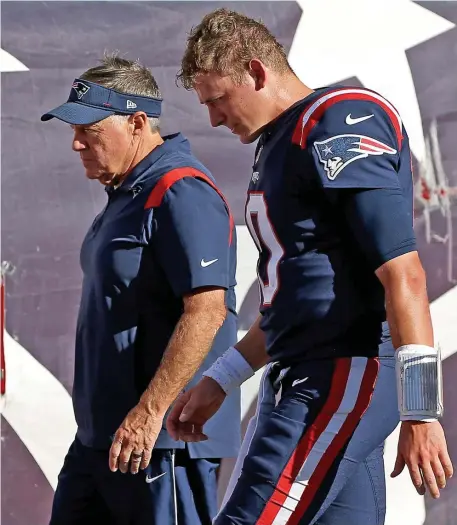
150	480
204	263
350	121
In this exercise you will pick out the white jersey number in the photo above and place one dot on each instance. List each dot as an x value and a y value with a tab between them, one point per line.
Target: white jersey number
264	236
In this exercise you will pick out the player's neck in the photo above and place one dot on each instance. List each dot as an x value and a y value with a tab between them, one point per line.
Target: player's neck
290	91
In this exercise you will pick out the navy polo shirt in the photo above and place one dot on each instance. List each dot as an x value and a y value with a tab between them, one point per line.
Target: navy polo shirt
164	232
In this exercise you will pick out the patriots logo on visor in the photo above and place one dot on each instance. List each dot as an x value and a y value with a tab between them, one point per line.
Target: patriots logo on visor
80	88
337	152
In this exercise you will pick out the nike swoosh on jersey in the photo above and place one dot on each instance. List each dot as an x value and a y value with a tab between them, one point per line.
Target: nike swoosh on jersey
350	121
298	381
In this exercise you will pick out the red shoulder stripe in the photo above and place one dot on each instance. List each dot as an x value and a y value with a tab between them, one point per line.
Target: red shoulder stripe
166	182
313	113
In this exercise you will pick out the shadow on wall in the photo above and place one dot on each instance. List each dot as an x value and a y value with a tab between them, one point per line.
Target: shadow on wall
444	510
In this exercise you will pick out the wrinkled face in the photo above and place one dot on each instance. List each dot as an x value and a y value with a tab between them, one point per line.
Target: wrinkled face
236	106
105	148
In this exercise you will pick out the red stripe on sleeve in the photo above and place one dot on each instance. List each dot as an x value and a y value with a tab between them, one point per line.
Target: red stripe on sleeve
166	182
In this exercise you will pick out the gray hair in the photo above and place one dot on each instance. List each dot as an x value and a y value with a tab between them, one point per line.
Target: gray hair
125	76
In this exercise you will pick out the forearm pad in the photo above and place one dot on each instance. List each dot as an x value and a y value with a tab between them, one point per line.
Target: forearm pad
419	383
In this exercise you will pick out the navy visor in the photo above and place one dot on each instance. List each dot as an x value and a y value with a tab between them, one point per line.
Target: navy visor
89	102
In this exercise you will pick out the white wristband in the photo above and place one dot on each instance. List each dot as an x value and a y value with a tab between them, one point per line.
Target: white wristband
230	370
419	383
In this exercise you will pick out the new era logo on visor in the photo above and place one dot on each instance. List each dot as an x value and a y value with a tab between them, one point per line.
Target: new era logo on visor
80	88
131	105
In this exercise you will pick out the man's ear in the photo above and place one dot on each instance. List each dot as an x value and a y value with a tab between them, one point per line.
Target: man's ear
258	73
138	121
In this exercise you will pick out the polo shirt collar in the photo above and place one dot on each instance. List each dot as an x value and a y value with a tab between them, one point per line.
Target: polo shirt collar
176	142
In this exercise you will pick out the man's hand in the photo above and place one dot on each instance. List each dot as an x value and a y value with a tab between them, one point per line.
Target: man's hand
134	441
422	447
204	313
193	409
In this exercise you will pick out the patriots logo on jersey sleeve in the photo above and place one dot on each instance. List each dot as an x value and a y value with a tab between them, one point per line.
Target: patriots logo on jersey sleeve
80	88
337	152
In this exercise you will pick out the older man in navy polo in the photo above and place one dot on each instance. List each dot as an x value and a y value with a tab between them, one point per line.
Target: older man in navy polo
157	309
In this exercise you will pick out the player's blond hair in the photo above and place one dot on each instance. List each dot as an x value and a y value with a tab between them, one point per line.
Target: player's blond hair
225	42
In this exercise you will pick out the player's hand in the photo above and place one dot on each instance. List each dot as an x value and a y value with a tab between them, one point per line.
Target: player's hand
422	447
134	440
193	409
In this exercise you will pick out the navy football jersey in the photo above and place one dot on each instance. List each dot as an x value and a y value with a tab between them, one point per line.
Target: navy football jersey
319	292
